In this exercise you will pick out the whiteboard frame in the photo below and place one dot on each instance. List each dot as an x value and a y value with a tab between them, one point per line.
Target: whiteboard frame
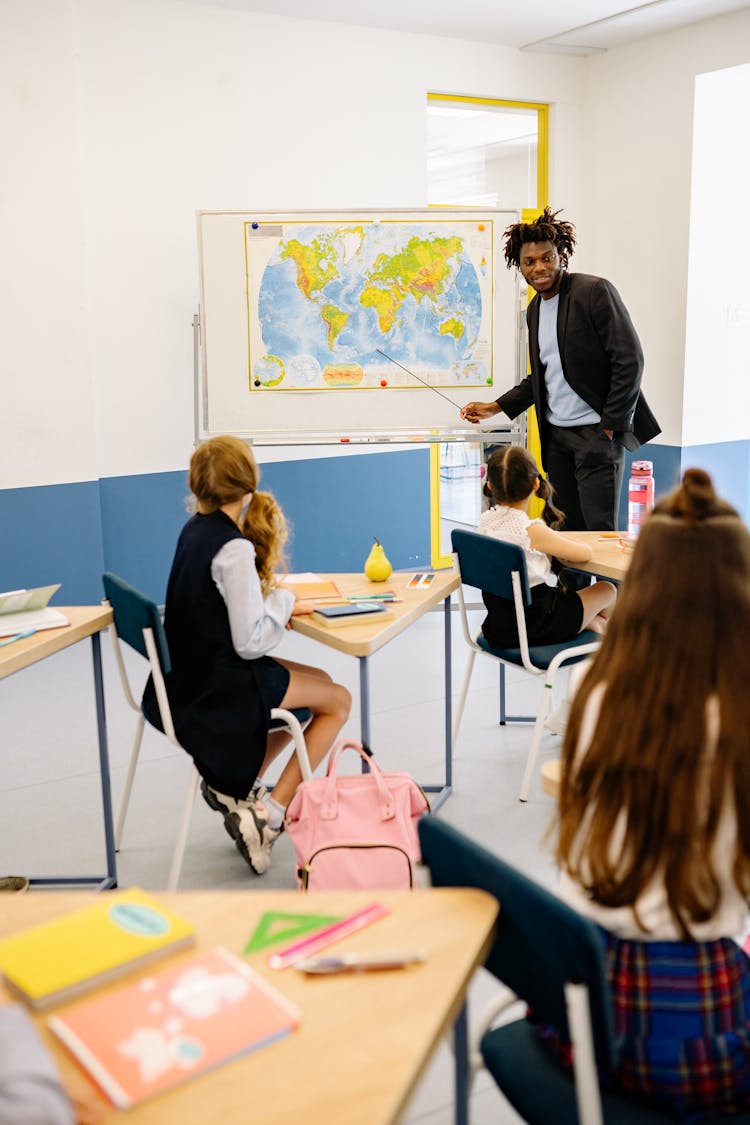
433	429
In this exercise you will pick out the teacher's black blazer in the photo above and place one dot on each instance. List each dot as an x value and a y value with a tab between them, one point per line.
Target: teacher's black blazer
601	358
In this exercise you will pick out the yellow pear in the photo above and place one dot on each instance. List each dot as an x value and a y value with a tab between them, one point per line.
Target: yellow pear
377	567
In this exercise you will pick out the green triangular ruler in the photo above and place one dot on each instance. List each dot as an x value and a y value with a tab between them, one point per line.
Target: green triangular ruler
274	927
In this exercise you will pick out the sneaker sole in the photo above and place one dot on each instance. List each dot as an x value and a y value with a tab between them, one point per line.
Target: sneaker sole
257	858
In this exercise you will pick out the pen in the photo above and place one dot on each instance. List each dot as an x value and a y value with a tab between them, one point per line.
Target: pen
358	962
18	637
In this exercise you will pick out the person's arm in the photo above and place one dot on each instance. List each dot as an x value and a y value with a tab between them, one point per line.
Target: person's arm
620	341
31	1091
477	411
543	538
257	623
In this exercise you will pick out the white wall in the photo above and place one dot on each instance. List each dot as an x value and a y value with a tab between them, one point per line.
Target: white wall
717	345
46	396
123	117
180	107
634	218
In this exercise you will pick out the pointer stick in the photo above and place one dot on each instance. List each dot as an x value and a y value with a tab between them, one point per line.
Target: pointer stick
424	381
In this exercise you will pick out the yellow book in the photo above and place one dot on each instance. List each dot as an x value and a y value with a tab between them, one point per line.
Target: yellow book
119	932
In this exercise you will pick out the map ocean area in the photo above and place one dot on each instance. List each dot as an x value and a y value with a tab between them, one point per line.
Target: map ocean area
325	298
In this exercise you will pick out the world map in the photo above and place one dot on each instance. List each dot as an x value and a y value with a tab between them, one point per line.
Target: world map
332	298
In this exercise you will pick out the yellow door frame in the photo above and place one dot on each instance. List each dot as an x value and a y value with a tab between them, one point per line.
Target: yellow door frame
439	560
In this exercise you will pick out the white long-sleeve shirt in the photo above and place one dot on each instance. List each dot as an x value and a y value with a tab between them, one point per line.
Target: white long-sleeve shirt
257	623
30	1088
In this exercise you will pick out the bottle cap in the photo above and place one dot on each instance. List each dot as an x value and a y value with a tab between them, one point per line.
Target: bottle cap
642	467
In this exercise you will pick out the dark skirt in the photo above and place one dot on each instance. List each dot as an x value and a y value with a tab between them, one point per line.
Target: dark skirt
681	1025
223	724
555	615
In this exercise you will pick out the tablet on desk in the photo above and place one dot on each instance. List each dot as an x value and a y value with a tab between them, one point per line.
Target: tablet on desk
350	614
351	609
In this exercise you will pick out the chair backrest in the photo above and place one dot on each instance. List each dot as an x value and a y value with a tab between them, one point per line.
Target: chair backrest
488	564
133	612
540	943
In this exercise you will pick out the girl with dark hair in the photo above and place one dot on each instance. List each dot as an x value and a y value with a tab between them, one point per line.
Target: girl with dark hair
654	813
225	612
555	614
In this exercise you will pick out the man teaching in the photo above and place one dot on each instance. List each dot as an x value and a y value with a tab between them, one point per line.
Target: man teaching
586	365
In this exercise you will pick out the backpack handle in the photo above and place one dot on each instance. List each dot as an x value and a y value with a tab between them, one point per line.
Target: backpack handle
329	806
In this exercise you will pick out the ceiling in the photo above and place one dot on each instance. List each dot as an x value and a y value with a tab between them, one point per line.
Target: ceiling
576	27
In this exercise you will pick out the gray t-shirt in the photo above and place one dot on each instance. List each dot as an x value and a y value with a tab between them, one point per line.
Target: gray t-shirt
564	406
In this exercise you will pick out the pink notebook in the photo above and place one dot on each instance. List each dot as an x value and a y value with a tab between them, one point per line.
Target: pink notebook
181	1020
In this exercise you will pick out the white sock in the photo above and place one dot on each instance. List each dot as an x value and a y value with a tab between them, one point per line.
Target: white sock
276	812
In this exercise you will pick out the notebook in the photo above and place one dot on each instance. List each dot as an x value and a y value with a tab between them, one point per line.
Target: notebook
120	931
186	1018
354	613
27	609
307	587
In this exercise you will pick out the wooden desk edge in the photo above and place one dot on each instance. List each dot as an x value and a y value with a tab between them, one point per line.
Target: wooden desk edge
350	639
84	622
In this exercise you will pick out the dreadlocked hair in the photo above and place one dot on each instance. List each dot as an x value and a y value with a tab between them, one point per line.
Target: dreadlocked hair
547	228
511	472
657	776
264	525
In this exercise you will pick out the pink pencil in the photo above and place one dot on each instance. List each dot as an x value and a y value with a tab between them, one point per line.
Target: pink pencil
335	932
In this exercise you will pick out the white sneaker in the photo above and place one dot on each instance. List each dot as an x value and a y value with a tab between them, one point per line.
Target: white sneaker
557	720
246	821
253	835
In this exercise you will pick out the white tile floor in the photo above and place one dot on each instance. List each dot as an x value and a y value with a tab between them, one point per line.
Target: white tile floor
50	820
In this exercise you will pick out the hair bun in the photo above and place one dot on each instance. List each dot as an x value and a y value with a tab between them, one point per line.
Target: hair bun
696	497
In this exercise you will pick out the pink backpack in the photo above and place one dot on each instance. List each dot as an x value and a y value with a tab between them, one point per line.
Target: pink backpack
356	832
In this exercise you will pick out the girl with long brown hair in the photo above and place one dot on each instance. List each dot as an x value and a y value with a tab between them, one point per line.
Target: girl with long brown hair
654	812
556	614
225	612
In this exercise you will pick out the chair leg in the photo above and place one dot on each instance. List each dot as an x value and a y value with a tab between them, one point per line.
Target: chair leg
462	698
298	737
503	709
125	800
544	708
182	834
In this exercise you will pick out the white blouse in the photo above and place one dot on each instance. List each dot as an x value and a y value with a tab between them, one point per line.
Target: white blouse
257	623
512	526
730	919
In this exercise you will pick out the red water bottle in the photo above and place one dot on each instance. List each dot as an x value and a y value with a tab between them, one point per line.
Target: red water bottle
640	494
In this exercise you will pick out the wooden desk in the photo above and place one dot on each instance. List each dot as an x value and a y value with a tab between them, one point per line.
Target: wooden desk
362	640
364	1039
85	621
610	559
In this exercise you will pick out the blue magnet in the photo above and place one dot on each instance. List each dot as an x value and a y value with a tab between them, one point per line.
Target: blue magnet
254	226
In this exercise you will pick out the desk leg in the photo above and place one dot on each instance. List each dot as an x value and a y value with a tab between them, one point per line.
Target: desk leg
461	1056
364	701
448	694
101	724
444	791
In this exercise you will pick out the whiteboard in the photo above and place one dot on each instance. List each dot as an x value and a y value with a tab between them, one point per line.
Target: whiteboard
338	323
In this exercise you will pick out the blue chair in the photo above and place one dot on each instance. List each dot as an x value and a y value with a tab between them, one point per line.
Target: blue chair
553	959
138	623
499	568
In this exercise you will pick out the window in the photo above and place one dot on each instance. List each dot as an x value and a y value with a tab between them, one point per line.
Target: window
483	152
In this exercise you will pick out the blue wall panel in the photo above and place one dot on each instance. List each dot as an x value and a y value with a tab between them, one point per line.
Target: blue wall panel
141	519
52	533
334	506
728	463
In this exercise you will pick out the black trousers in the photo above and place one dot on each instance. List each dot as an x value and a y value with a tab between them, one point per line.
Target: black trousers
585	469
